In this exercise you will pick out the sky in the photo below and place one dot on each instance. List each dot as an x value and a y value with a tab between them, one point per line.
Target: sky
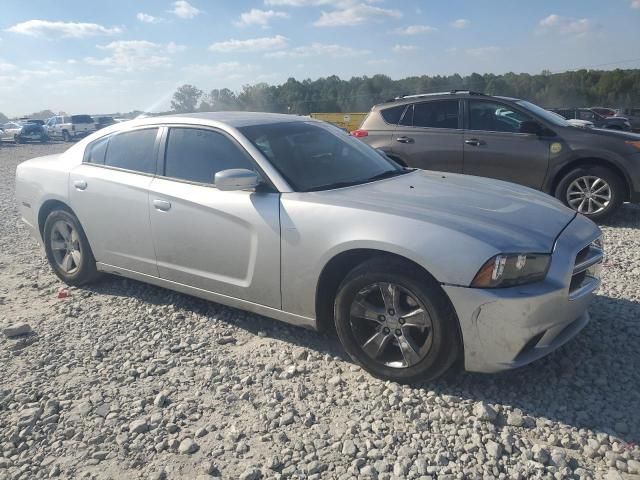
86	56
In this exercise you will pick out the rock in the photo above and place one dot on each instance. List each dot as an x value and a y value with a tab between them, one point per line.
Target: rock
540	454
484	412
188	446
139	426
515	419
494	449
225	340
633	466
201	432
349	448
161	399
16	329
335	380
251	474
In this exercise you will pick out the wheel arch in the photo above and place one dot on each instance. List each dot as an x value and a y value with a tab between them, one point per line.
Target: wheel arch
591	162
46	208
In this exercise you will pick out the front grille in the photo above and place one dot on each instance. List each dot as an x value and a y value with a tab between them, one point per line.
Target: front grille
586	267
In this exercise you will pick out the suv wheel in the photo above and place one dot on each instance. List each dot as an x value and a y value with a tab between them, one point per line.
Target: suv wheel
68	250
65	136
594	191
395	322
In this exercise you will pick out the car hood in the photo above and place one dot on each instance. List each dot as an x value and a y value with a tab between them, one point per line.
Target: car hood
507	216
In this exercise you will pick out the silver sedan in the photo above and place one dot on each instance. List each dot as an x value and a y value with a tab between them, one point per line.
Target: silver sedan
291	218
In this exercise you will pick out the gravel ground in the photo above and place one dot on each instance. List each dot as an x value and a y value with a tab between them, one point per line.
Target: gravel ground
125	380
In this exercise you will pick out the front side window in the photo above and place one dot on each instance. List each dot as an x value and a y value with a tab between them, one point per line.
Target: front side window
311	156
133	150
495	117
197	155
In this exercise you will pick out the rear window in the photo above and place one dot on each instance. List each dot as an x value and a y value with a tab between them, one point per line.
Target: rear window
392	115
81	119
133	151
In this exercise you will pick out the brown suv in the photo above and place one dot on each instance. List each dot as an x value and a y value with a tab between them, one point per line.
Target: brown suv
591	170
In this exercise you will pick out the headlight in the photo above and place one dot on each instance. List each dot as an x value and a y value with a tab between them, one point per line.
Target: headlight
507	270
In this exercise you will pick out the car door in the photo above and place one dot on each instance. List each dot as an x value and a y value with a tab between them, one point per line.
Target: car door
495	147
429	136
109	194
227	242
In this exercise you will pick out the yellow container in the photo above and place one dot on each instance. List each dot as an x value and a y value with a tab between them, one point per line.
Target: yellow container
348	121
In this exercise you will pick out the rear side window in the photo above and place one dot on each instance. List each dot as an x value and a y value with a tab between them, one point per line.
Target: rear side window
392	115
436	114
81	119
133	151
197	155
95	152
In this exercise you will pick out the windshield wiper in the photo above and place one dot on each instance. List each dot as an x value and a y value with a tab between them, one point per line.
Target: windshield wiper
389	174
351	183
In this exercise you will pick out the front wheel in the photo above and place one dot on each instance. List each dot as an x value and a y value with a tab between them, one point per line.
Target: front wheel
68	250
396	322
66	137
594	191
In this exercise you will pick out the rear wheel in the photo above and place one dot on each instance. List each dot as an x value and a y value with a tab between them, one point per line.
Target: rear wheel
68	250
594	191
396	322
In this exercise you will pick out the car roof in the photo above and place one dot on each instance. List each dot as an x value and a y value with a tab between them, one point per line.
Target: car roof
406	99
233	119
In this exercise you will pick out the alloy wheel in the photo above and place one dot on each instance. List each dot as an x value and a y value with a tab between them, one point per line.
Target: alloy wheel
589	194
391	325
66	247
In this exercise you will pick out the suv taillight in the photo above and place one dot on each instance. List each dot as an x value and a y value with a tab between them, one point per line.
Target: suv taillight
359	133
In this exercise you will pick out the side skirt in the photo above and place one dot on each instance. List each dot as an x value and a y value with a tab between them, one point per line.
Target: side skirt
275	313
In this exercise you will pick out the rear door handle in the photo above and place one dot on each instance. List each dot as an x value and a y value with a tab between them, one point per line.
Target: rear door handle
404	139
80	184
475	142
162	205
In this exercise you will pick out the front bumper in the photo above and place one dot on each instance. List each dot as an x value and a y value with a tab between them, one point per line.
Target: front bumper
511	327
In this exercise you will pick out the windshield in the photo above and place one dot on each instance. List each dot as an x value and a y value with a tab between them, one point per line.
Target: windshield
312	156
545	114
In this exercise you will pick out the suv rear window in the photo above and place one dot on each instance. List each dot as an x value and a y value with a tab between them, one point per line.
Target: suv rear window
81	119
392	115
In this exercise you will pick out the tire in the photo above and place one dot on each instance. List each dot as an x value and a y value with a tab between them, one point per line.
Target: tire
17	139
438	345
65	136
82	267
569	189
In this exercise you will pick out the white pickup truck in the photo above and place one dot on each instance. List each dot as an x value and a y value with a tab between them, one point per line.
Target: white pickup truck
70	127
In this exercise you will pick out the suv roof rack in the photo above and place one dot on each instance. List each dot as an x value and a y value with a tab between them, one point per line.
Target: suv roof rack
419	95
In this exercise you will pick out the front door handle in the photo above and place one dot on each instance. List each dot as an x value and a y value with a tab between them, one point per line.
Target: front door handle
162	205
475	142
404	139
80	184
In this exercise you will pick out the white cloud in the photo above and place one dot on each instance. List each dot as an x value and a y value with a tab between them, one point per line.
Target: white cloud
415	30
6	67
318	49
135	55
259	17
564	25
48	29
305	3
355	15
146	18
635	3
404	48
251	45
482	52
183	9
460	23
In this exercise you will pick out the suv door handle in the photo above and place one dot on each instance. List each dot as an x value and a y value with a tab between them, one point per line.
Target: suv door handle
80	184
404	139
162	205
475	142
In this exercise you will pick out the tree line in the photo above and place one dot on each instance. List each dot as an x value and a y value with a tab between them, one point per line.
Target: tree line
581	88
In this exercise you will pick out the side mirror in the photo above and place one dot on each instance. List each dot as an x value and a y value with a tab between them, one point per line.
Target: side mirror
530	127
236	179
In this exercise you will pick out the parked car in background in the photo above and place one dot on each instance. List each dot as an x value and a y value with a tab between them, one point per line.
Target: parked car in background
293	219
102	122
70	127
604	111
21	132
600	121
591	170
631	114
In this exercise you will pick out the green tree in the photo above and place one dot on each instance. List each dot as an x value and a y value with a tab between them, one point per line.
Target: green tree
186	99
